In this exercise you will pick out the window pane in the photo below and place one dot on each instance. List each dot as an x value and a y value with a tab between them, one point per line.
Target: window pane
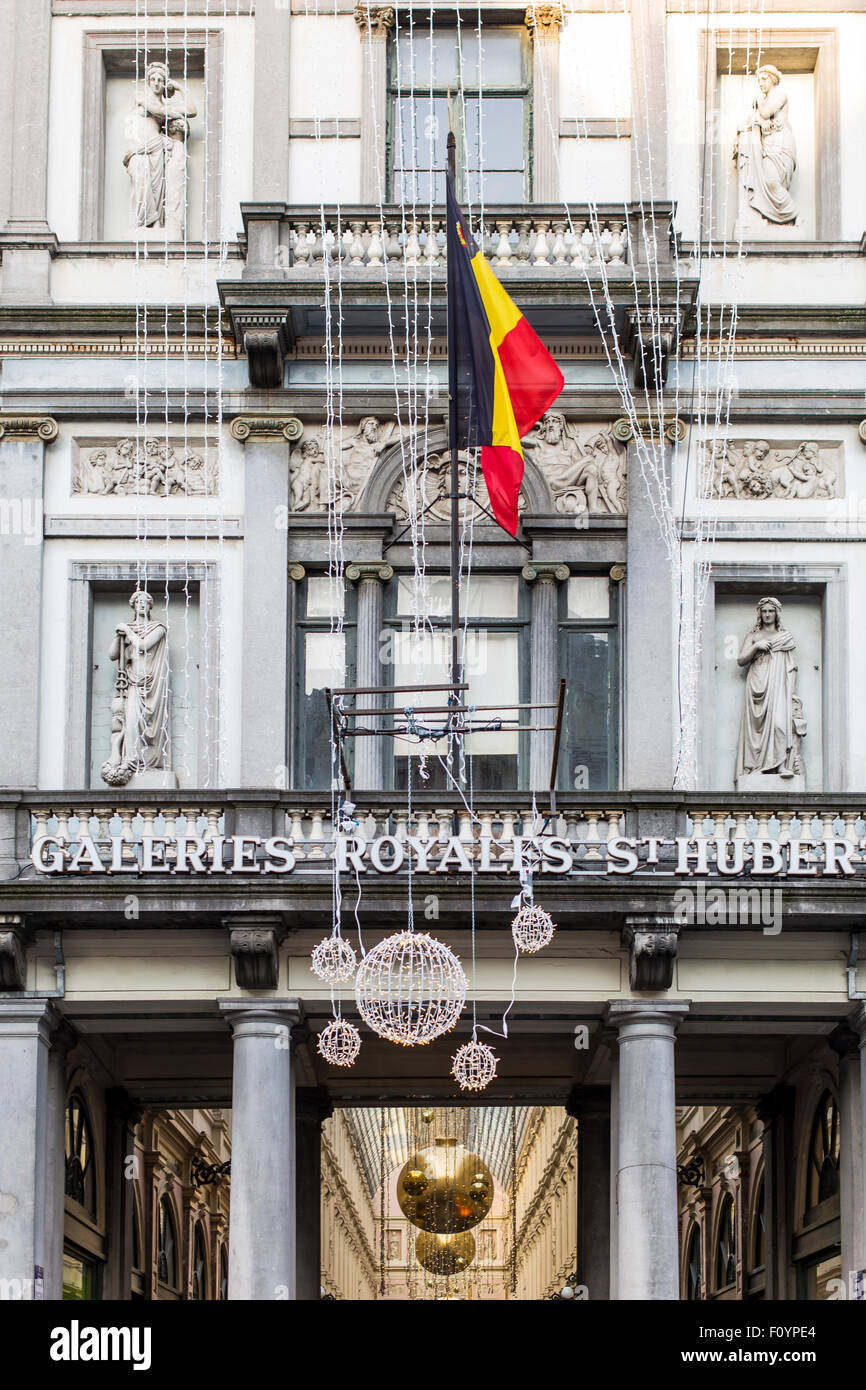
324	665
488	596
498	188
324	660
325	597
494	133
421	59
491	666
420	131
501	64
588	596
588	760
419	188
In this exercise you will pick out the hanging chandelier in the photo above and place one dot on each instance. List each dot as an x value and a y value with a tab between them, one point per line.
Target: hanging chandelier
444	1188
410	988
444	1255
339	1043
474	1065
532	929
333	960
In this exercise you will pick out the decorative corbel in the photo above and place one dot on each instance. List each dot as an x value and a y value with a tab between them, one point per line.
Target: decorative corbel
15	937
652	945
254	948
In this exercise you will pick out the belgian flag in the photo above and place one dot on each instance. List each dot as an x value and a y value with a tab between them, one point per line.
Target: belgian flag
501	377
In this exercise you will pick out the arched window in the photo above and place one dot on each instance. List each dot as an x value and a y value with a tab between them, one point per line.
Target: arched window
224	1273
823	1175
166	1245
693	1266
80	1170
759	1231
726	1245
199	1264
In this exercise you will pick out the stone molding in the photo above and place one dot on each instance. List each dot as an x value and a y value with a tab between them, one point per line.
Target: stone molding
544	21
652	945
623	429
254	949
374	21
14	938
42	427
244	427
548	573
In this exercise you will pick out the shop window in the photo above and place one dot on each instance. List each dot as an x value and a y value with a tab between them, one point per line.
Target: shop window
199	1264
166	1245
491	115
822	1180
693	1266
325	658
726	1245
589	661
80	1171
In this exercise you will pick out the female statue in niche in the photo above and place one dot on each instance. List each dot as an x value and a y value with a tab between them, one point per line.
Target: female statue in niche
764	150
156	159
140	738
772	723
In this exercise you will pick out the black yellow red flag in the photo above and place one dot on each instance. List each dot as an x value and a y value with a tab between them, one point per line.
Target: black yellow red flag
501	376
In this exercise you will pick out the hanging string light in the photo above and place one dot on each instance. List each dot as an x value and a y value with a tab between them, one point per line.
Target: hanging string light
410	988
474	1066
339	1043
532	929
333	960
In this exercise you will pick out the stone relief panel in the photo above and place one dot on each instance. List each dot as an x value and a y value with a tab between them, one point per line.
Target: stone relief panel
756	469
149	467
584	465
317	481
428	485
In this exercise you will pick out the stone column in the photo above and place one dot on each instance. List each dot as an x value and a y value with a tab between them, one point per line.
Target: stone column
590	1106
646	1163
857	1124
776	1113
30	1165
544	664
649	150
264	651
613	1224
22	465
26	240
312	1107
261	1234
369	752
63	1039
374	22
651	712
544	23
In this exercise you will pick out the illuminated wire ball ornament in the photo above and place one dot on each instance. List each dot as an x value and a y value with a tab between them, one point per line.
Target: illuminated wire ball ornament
532	929
474	1066
333	960
410	988
339	1043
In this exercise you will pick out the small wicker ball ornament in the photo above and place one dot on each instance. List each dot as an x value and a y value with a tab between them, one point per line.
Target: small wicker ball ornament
410	988
339	1043
532	929
474	1066
333	960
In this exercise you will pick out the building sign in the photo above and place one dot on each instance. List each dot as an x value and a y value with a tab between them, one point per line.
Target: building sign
682	857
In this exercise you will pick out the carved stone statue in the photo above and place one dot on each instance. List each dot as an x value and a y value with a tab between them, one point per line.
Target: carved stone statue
152	467
765	153
358	451
156	156
772	724
140	735
584	471
751	469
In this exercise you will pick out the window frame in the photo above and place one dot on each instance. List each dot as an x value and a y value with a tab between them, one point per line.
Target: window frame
431	91
165	1206
301	626
721	1260
612	624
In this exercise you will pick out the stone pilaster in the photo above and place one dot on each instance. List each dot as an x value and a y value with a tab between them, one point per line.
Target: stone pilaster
649	150
312	1107
121	1118
544	23
590	1106
776	1113
262	1236
23	439
369	751
271	103
264	659
544	663
857	1124
374	22
26	241
647	1216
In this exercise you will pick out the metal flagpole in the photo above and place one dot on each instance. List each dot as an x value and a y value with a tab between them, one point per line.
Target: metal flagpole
455	473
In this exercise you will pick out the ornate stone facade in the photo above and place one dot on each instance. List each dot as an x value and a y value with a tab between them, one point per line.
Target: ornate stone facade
755	470
584	465
152	467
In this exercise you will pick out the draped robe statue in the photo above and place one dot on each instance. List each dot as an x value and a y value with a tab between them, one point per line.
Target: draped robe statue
765	153
140	734
772	723
156	159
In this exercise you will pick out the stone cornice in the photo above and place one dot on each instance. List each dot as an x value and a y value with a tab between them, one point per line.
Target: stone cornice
42	427
244	427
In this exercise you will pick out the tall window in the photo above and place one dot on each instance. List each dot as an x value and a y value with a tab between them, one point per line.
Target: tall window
496	669
589	660
224	1273
325	658
80	1171
166	1245
693	1265
199	1264
759	1231
490	110
726	1245
823	1177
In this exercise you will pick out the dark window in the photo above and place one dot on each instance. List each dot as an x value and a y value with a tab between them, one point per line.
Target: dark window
224	1273
490	111
496	668
693	1265
199	1264
325	658
80	1172
726	1245
823	1178
759	1231
166	1245
589	661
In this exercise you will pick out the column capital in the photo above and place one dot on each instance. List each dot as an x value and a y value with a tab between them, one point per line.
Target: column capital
42	427
249	1017
543	21
374	21
549	572
244	427
861	430
21	1016
364	573
660	1016
652	944
297	573
627	429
